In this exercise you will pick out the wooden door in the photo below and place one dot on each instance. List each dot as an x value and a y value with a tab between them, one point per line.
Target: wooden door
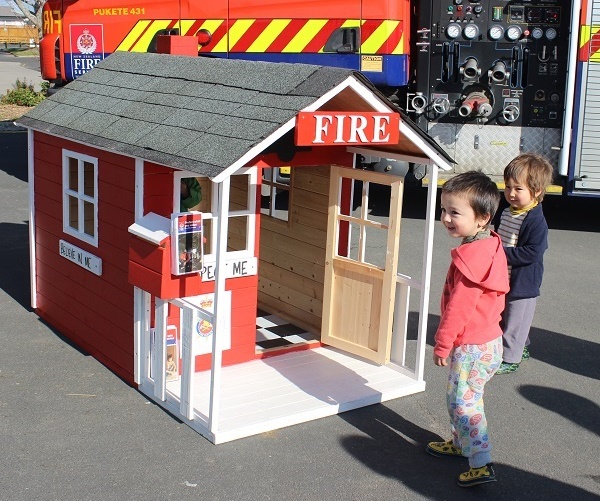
358	299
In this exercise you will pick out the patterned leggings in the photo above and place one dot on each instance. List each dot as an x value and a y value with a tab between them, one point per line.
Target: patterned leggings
471	367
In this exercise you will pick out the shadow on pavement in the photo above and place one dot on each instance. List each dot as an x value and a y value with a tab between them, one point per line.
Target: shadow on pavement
565	404
13	151
571	354
14	254
395	448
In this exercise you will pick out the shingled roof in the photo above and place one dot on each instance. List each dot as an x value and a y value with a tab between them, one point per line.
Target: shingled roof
207	115
192	113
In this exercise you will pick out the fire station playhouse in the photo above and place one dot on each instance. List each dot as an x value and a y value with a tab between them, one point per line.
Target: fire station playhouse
261	306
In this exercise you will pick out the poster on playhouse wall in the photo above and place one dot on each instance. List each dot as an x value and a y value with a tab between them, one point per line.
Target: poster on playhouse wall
200	330
186	243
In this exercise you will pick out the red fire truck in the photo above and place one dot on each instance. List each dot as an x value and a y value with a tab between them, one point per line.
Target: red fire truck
488	79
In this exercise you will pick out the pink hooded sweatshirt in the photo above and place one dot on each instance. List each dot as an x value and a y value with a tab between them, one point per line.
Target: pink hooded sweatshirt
473	295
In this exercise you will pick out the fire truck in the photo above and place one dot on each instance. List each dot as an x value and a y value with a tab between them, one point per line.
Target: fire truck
487	79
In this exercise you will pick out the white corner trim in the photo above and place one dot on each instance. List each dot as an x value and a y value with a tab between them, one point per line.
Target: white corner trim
31	186
139	189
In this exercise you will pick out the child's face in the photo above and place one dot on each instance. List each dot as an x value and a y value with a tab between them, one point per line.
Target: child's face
459	217
518	194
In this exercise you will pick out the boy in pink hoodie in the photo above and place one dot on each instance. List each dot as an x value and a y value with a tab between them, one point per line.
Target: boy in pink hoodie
469	331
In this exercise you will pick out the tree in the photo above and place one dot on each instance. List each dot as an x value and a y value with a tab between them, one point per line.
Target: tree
32	10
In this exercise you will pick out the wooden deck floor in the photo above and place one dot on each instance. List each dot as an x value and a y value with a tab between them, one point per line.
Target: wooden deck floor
268	394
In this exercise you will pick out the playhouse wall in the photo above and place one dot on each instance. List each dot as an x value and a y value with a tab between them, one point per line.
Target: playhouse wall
292	255
95	312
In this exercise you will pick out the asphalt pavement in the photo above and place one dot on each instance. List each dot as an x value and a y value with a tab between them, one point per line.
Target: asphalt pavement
72	430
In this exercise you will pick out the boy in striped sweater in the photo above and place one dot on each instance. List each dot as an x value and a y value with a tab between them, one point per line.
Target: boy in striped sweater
524	233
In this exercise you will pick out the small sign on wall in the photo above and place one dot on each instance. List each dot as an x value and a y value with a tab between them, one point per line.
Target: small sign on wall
234	268
80	257
200	329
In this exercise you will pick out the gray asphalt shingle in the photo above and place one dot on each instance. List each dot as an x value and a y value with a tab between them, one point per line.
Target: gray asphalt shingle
199	114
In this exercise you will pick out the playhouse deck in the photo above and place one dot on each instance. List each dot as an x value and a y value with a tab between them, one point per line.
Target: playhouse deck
272	393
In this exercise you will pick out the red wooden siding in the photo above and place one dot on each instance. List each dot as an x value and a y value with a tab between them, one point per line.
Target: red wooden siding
158	189
96	312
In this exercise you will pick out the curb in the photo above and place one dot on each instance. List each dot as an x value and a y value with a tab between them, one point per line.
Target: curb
9	126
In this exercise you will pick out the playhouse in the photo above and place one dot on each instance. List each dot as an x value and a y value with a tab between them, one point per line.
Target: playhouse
282	316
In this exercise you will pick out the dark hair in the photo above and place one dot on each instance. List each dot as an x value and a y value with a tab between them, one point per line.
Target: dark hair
532	170
481	192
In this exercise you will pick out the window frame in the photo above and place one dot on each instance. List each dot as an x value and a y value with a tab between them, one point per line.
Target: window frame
80	196
272	185
249	213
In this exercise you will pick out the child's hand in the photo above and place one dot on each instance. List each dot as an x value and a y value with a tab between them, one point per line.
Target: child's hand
439	361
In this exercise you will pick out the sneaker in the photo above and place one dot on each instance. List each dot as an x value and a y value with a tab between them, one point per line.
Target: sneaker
476	476
526	354
506	368
441	449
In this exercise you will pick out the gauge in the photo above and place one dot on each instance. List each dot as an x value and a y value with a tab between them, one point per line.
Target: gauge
537	33
496	32
471	31
551	33
514	33
453	30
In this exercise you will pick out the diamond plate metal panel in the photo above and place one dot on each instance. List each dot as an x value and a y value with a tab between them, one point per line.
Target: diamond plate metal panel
491	147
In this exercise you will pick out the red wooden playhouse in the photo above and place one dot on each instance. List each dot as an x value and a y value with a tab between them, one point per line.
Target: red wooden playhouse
284	236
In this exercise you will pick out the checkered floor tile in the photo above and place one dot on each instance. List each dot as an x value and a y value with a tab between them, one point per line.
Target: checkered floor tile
273	332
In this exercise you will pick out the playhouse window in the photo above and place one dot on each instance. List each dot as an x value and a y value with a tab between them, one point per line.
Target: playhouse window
80	196
275	191
241	225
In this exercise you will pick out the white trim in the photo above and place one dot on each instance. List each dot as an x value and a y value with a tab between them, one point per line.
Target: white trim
249	213
188	363
31	186
160	343
426	273
79	233
139	189
219	306
137	332
563	159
